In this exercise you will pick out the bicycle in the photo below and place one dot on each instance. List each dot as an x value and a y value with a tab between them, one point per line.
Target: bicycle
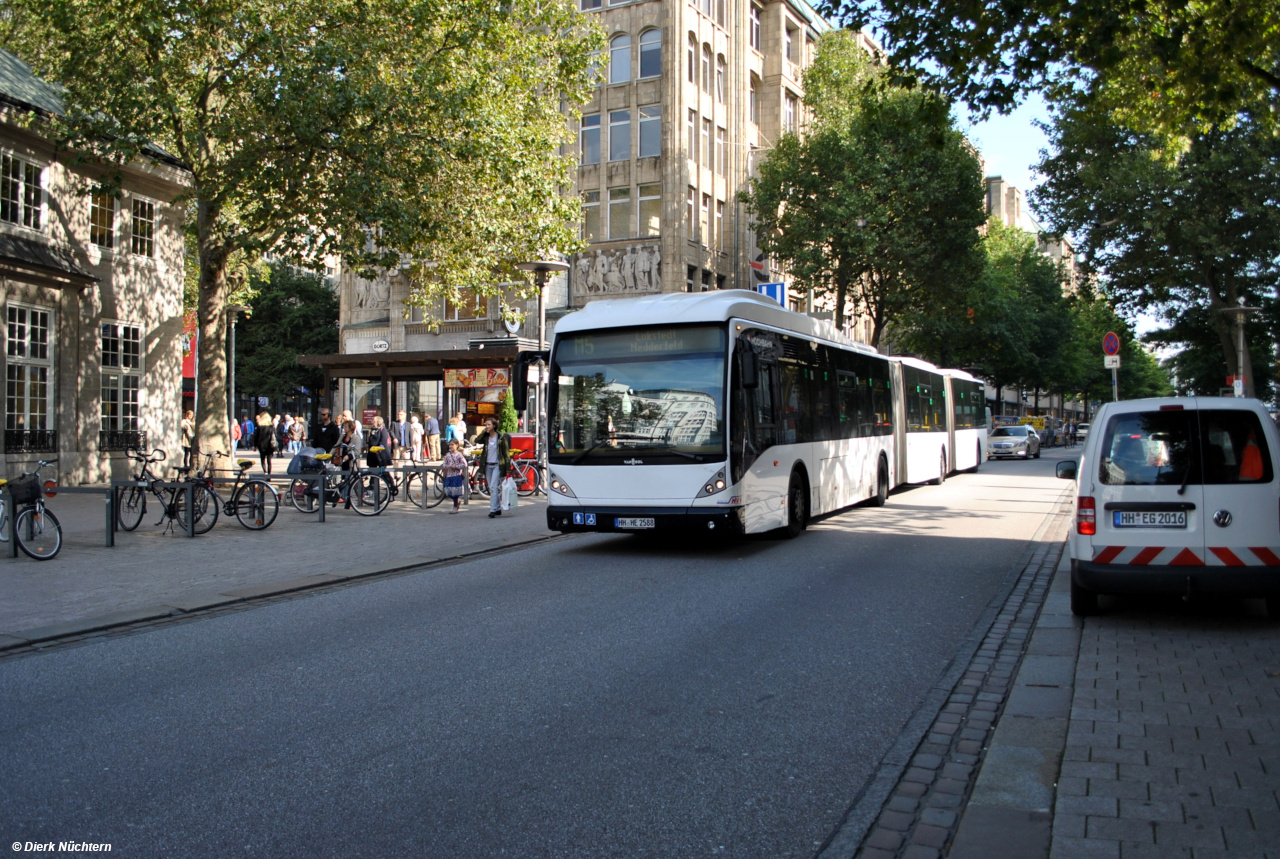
367	499
526	473
255	503
36	529
132	505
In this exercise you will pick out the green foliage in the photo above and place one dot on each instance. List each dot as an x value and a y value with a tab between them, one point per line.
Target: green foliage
508	420
294	314
1182	240
1140	374
878	208
364	130
1170	67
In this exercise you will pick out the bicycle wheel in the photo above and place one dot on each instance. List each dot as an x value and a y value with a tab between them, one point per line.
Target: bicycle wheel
304	495
39	534
206	503
256	505
528	474
416	489
133	503
435	491
4	523
370	494
479	484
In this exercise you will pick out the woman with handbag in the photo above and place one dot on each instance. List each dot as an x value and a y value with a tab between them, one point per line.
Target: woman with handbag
264	439
455	474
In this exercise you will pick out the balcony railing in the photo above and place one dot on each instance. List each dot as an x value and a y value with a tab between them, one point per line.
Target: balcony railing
30	441
114	440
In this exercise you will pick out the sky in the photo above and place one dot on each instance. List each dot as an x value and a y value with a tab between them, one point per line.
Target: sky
1010	144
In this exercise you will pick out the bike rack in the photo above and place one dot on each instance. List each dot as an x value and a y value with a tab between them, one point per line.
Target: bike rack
377	489
109	497
186	488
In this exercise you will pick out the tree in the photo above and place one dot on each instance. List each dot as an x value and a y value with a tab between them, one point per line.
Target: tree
878	207
294	313
508	420
1140	375
1172	68
1171	238
365	130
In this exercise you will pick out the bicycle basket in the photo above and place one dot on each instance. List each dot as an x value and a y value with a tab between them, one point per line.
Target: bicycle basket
25	489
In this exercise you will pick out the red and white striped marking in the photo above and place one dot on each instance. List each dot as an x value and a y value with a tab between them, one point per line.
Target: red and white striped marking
1181	556
1165	556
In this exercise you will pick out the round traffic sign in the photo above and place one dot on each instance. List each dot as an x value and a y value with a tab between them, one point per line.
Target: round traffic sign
1111	344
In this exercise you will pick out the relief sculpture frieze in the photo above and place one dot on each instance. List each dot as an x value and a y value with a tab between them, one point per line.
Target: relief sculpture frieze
632	270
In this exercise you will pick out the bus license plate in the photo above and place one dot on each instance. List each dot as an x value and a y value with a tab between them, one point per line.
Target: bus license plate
1170	519
644	522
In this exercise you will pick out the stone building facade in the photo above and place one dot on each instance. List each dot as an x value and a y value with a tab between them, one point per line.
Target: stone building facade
694	94
91	292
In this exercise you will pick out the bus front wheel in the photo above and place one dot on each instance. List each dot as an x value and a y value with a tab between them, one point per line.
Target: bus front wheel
797	506
882	486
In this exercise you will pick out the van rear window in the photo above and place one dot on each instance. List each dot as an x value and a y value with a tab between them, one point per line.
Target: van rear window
1177	447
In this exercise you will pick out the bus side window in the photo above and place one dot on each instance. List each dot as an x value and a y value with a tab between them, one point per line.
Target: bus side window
762	399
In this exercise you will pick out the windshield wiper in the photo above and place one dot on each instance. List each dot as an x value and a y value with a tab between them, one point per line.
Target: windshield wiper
598	443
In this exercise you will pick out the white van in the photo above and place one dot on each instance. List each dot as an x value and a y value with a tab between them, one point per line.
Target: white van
1177	496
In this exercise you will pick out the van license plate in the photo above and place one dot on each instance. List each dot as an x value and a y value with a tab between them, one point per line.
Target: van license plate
1170	519
633	523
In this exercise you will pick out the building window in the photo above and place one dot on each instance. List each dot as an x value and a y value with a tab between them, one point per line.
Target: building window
693	59
720	76
708	154
650	209
721	8
29	369
706	7
706	69
620	226
121	378
723	149
588	5
690	203
650	53
755	27
719	225
620	60
789	118
143	228
21	192
590	138
102	219
650	131
619	135
465	304
789	47
753	102
693	135
704	222
591	217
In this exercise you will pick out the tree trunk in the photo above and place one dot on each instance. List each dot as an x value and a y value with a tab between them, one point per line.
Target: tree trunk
212	427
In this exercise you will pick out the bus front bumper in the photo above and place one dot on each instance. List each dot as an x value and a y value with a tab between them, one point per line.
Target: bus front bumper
639	520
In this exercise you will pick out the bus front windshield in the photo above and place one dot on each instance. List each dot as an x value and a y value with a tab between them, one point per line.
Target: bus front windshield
656	391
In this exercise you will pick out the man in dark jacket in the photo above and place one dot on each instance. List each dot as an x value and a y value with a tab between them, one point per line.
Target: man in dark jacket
399	431
326	435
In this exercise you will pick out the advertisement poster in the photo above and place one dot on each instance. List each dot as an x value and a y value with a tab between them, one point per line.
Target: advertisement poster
479	377
367	416
189	329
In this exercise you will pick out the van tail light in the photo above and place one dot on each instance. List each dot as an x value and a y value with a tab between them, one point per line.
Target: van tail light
1086	515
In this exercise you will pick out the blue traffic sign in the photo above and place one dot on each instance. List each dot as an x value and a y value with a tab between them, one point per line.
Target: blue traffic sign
1111	343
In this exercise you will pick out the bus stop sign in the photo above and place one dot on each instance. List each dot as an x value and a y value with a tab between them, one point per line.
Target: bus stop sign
1111	344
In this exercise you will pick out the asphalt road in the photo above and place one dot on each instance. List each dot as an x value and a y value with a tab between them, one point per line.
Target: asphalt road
596	696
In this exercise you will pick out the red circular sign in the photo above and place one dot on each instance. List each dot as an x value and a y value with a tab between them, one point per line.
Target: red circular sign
1111	343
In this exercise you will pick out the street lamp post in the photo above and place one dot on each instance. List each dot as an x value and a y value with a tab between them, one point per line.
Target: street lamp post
541	268
1240	311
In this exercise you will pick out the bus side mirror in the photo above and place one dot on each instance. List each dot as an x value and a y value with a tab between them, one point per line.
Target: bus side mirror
520	375
1067	470
748	366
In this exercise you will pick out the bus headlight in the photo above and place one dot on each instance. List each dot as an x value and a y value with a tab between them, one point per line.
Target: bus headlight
558	485
714	485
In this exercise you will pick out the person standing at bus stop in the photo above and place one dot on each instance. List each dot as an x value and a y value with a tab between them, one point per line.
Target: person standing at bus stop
494	461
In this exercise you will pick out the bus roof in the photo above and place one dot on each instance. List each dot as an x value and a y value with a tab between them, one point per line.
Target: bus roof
683	307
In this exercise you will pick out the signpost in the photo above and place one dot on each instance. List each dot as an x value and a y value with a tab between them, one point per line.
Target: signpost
1111	349
776	291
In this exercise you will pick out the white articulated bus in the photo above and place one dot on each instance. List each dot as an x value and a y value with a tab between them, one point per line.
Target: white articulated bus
723	411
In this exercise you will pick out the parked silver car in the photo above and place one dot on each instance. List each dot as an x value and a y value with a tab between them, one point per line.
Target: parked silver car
1019	441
